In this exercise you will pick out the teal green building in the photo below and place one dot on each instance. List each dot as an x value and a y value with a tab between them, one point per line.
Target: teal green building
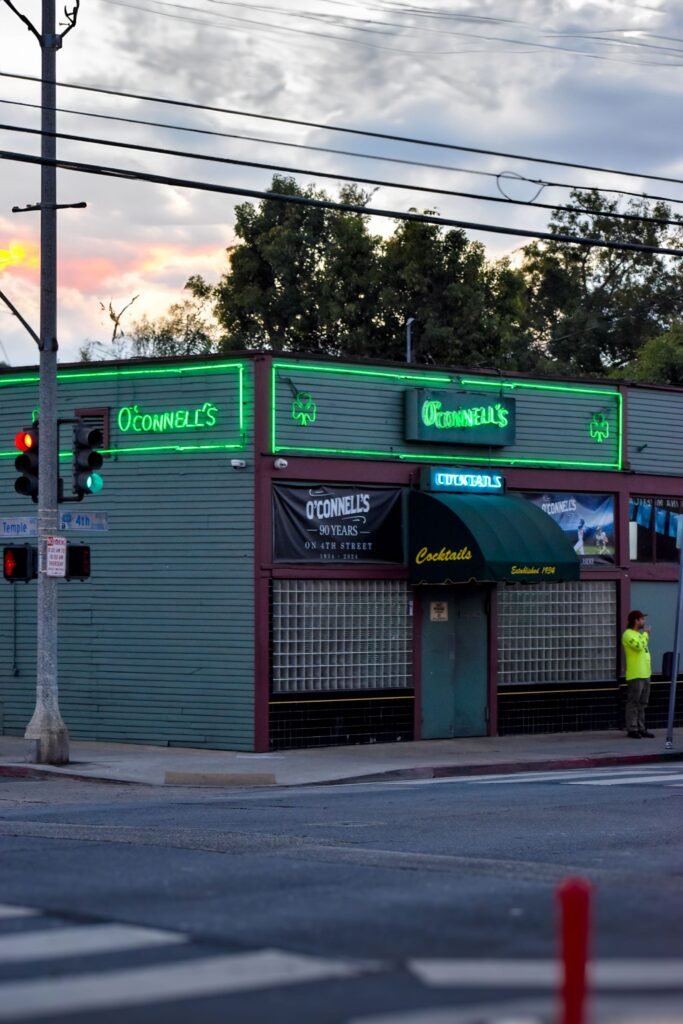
294	552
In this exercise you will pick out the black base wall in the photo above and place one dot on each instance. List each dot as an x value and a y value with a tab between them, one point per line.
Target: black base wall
571	709
337	721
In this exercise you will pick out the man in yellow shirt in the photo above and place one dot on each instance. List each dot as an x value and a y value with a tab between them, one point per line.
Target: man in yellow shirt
635	641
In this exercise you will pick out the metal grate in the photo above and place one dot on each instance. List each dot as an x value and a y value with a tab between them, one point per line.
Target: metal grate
557	633
331	635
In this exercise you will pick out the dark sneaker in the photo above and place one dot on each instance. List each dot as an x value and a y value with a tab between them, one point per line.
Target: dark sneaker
633	735
646	735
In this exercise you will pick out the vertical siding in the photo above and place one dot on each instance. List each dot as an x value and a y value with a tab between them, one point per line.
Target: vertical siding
157	646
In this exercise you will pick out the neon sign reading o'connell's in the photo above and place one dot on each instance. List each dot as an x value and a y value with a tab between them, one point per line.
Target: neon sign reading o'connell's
477	416
131	419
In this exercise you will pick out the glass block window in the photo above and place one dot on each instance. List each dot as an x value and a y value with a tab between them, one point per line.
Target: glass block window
332	635
557	633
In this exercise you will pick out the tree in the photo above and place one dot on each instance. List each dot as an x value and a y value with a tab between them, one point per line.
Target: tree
592	309
302	278
188	328
660	360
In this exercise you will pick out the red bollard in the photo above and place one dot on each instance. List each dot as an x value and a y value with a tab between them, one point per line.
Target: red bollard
574	898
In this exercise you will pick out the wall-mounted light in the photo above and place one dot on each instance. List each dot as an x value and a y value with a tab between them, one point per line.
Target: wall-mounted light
238	463
281	463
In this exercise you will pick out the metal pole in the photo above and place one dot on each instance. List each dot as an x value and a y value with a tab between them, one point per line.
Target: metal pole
409	323
677	639
46	730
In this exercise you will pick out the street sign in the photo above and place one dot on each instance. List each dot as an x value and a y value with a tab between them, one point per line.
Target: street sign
56	556
19	526
27	526
89	522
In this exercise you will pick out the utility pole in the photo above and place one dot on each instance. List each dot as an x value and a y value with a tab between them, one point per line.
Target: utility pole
47	733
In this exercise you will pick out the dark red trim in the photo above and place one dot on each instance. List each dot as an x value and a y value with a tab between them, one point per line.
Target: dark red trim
262	549
417	663
331	571
101	412
493	662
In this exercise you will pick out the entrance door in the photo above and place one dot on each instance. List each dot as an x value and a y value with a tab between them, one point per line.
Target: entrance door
454	661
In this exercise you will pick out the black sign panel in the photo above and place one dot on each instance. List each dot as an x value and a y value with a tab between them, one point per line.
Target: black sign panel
463	417
337	523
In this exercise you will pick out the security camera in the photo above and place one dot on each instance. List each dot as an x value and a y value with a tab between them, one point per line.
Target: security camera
238	463
281	463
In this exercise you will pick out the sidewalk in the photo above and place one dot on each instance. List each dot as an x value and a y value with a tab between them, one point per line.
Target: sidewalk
164	766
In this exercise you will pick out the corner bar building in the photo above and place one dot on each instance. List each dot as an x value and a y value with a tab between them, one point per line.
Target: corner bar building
293	552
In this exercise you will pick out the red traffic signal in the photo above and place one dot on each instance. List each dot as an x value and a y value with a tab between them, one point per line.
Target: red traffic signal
19	563
26	440
27	463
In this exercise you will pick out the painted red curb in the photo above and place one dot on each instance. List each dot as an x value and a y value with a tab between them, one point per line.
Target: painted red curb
16	771
509	767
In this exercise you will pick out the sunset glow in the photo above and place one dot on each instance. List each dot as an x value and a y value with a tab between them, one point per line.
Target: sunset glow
20	254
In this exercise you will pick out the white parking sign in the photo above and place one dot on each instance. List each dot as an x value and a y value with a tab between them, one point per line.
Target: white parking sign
56	556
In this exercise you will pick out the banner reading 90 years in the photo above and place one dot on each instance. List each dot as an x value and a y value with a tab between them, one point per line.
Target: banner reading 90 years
337	523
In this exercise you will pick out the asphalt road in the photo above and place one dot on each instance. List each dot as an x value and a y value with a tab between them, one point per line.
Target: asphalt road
430	902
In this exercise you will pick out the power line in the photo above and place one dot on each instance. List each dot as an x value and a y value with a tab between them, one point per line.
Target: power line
327	204
258	165
349	131
498	176
279	29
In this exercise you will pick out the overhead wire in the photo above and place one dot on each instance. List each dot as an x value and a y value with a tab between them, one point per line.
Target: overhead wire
498	176
362	132
288	29
328	204
335	175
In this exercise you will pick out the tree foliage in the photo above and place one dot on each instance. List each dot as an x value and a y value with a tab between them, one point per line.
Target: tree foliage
592	309
315	280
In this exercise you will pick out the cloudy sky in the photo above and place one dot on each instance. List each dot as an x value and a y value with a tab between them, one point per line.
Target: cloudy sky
596	83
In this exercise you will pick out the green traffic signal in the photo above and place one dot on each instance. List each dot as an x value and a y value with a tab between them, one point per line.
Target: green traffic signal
87	460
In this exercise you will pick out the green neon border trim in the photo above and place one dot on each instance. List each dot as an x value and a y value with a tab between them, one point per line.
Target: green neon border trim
441	379
156	371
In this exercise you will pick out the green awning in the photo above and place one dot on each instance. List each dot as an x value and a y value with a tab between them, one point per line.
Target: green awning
460	538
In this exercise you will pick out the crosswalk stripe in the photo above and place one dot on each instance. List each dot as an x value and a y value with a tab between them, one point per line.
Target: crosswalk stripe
219	975
82	939
8	911
633	781
604	974
564	776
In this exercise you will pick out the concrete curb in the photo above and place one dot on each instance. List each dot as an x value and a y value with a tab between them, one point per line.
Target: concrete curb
219	779
246	779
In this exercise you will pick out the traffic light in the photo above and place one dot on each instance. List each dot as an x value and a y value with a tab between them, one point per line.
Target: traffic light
87	460
77	562
19	563
27	462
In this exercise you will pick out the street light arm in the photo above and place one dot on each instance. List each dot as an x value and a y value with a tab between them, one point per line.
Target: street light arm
20	318
22	17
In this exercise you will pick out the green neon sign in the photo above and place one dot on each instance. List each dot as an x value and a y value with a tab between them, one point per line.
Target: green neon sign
304	409
327	374
235	441
599	427
465	418
131	418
